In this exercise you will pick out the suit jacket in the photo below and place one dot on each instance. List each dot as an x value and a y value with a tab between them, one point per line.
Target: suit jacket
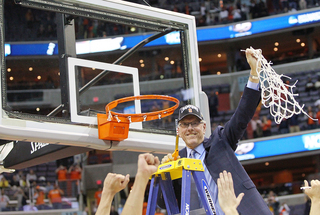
220	147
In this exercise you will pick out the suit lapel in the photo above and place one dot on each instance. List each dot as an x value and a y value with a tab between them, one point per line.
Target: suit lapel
183	152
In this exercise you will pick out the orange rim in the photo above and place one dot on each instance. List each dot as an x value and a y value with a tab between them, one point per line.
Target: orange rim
139	117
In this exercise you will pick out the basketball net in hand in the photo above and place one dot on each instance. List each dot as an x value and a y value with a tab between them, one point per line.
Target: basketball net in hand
275	94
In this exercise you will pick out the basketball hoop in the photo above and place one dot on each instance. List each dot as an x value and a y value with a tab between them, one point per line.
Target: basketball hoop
115	126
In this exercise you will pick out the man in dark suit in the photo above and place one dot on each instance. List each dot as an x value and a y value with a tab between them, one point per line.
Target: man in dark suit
217	151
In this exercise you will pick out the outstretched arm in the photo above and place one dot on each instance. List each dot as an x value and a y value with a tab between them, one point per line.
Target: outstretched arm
227	198
113	183
147	165
236	126
314	195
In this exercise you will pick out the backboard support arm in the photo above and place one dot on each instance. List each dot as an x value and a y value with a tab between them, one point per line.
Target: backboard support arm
66	48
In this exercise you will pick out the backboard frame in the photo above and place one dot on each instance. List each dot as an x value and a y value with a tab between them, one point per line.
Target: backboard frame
87	135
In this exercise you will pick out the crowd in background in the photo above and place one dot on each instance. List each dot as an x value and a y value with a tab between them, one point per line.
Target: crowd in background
41	25
25	190
26	24
263	124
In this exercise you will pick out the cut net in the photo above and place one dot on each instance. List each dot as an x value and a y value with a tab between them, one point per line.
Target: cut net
276	95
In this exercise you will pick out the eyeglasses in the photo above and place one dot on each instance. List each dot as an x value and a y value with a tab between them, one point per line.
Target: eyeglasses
193	124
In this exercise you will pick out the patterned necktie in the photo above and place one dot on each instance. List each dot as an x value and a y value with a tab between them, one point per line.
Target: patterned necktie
193	154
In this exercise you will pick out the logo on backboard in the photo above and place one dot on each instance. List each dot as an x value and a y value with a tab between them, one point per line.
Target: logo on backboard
35	146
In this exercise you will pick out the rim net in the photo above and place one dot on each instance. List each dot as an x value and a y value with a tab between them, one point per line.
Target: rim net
276	95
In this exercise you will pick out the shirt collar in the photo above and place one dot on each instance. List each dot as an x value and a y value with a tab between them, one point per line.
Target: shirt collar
199	149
